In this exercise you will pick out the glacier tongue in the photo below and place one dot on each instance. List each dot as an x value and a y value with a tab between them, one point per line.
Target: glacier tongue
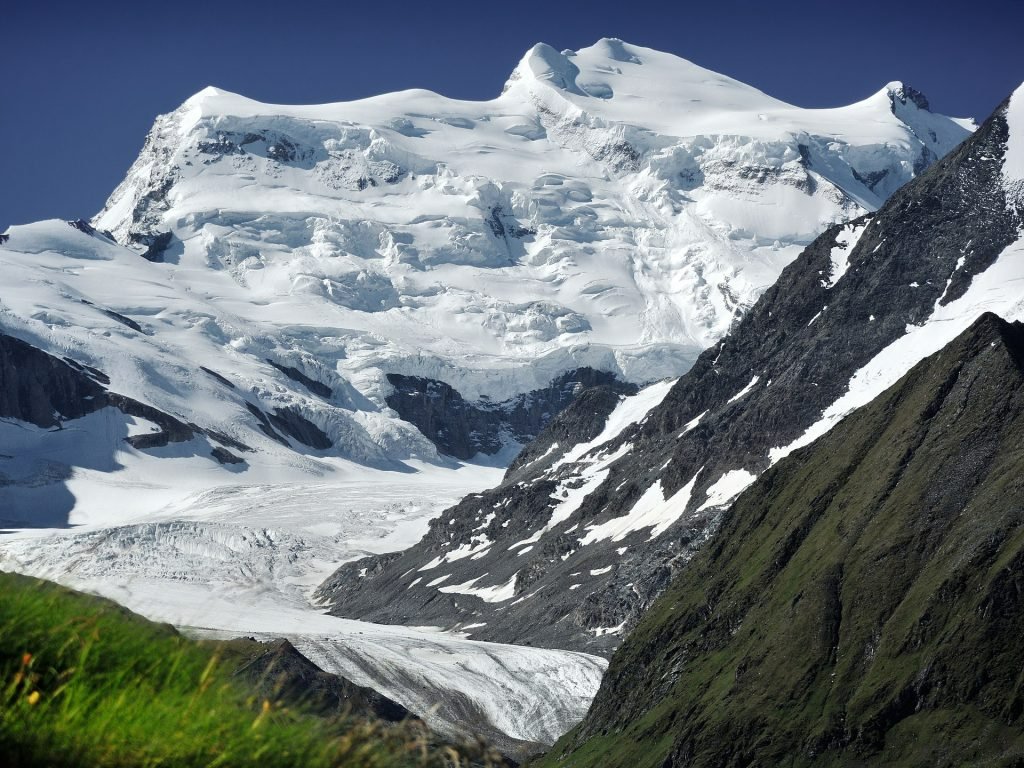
242	560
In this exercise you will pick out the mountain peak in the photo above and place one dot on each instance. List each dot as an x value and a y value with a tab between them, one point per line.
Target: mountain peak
543	63
617	50
899	91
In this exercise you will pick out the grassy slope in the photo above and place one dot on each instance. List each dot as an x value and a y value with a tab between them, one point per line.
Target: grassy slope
84	682
862	604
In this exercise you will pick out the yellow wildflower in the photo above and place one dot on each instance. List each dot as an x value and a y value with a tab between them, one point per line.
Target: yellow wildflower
33	698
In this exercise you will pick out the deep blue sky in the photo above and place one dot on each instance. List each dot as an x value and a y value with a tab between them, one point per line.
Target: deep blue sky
80	83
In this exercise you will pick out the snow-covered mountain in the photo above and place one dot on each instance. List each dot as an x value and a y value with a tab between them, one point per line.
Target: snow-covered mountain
313	275
614	207
596	516
208	378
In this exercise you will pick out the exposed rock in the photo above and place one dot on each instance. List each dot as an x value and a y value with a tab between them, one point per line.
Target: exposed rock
155	245
82	226
44	390
463	429
295	425
264	423
279	671
224	456
314	386
169	428
122	319
222	379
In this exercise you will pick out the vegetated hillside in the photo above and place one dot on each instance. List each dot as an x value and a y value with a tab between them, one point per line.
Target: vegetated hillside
84	682
577	543
861	603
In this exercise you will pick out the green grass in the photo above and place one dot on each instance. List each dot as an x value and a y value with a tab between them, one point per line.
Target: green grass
84	682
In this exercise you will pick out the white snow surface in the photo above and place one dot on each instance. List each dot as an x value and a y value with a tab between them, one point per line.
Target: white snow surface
632	409
652	510
999	289
1013	161
726	488
746	390
614	206
846	241
498	593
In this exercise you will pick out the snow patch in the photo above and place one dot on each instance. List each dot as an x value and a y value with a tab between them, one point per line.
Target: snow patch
630	410
726	488
999	289
846	241
652	510
1013	160
495	594
745	390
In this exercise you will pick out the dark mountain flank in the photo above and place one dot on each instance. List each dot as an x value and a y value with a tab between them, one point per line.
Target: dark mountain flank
278	671
862	603
463	428
791	356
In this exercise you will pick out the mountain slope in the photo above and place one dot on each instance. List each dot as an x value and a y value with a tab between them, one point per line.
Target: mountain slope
571	548
860	603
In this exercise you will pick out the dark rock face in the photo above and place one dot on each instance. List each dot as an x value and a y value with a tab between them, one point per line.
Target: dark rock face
42	389
46	391
222	379
298	427
155	244
291	423
82	226
580	422
264	423
861	602
127	321
789	358
224	456
314	386
278	671
462	429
